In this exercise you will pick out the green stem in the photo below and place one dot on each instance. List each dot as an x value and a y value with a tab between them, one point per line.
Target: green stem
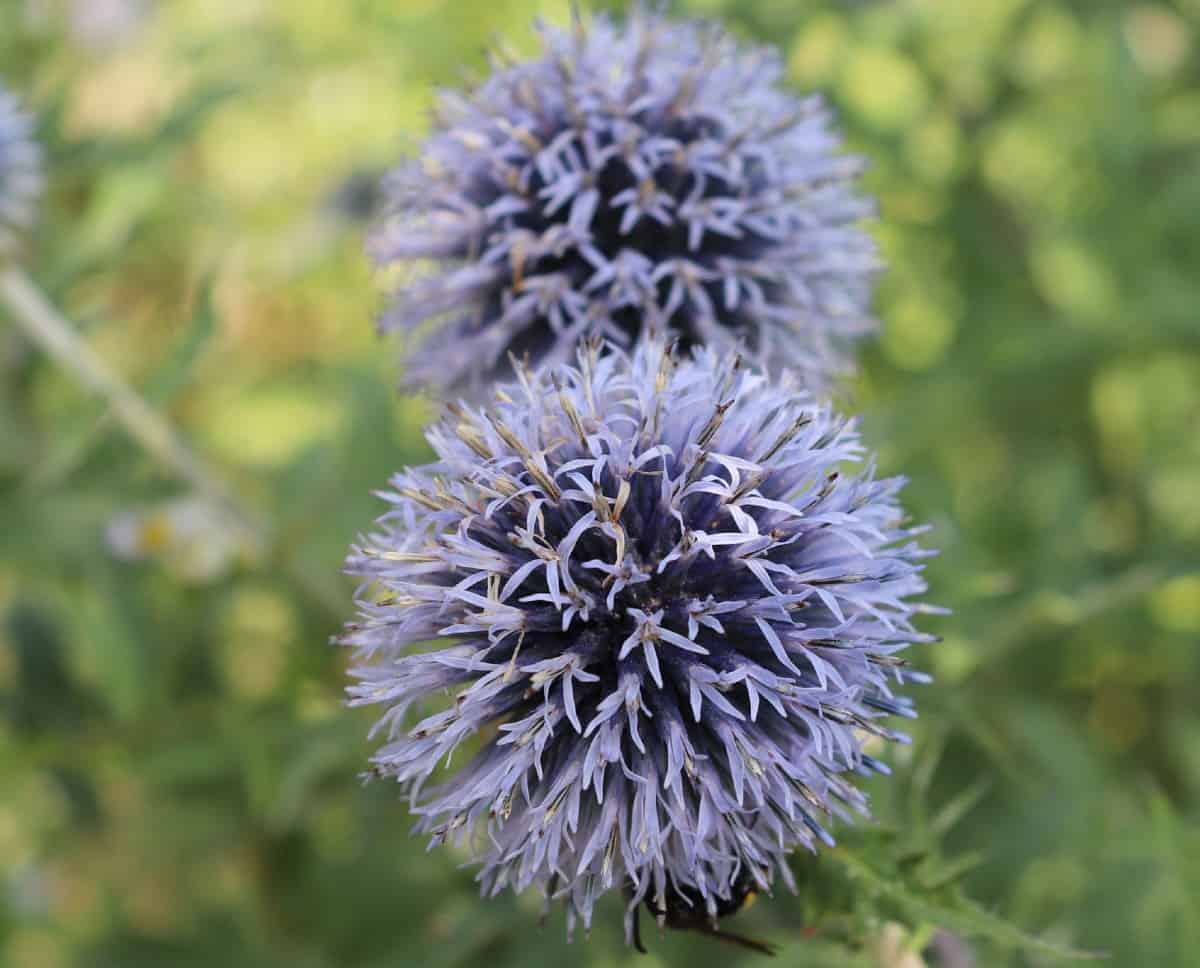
46	327
43	324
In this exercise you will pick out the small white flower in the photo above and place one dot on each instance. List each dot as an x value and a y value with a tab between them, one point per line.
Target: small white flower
195	539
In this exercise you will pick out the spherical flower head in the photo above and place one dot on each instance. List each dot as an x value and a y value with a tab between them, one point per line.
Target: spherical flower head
646	176
105	24
20	173
669	597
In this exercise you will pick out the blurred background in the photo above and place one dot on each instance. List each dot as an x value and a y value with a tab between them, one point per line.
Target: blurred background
178	778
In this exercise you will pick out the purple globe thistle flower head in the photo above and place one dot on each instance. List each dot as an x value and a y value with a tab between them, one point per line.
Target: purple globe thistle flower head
645	176
20	173
668	595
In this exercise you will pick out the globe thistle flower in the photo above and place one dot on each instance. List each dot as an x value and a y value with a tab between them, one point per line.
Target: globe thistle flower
104	25
650	176
20	173
669	610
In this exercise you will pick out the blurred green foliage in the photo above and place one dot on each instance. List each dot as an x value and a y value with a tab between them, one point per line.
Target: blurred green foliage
178	778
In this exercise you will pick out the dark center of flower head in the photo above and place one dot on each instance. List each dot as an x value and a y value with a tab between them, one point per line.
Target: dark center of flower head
646	177
648	210
671	613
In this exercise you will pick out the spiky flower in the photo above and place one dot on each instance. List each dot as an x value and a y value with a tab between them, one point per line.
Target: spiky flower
105	24
651	175
669	609
20	173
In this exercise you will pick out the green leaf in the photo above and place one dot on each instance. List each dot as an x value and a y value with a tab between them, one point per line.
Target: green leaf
178	369
965	917
109	632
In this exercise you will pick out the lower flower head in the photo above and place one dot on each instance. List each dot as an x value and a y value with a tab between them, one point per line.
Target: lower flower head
669	597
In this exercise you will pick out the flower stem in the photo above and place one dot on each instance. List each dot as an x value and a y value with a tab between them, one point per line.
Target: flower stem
33	312
47	327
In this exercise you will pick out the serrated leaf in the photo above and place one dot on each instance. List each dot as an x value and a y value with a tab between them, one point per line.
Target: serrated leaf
959	806
966	919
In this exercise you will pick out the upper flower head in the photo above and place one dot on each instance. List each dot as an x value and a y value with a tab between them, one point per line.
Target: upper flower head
651	175
20	173
670	598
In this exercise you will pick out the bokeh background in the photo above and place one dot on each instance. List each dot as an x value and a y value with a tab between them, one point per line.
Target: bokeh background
178	777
